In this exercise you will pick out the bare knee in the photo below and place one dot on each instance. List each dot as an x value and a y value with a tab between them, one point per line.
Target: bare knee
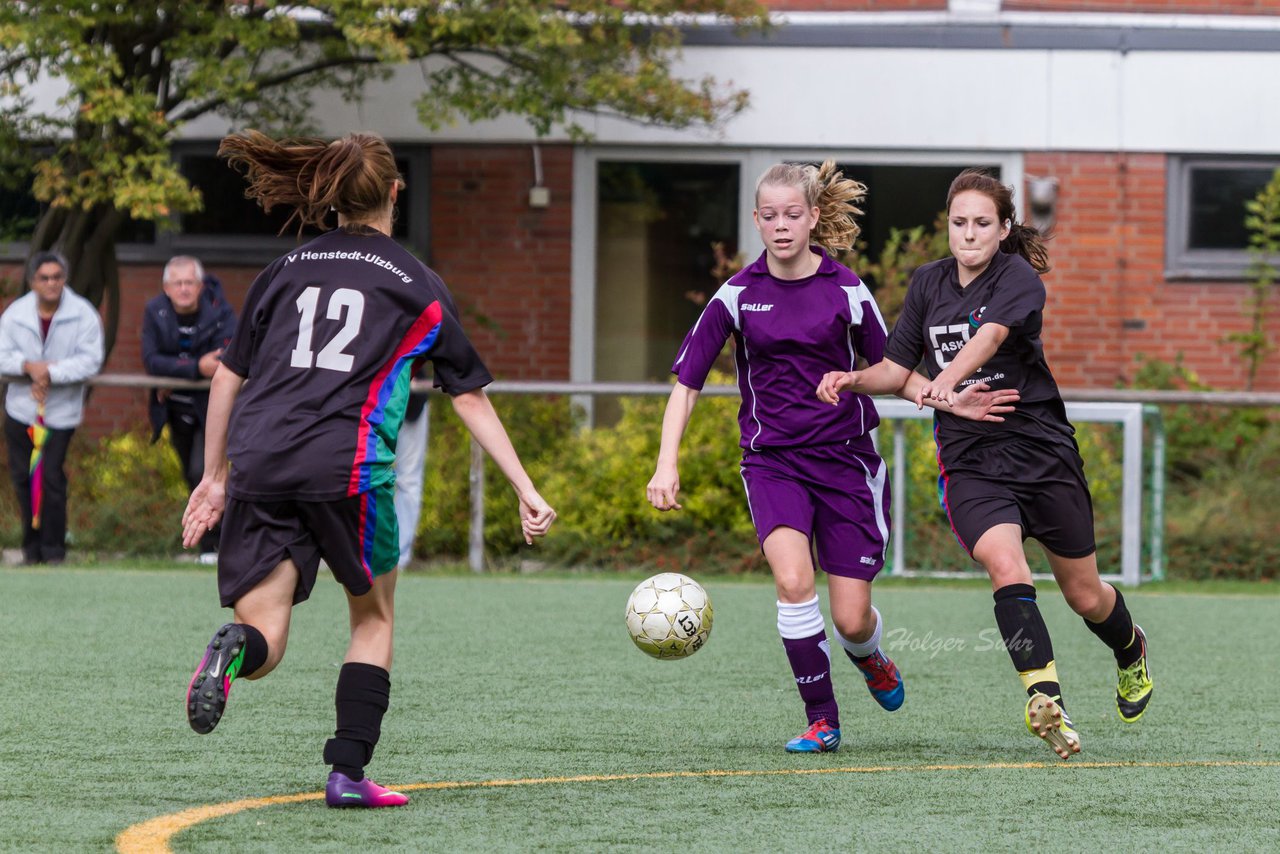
857	626
795	590
1005	568
1089	600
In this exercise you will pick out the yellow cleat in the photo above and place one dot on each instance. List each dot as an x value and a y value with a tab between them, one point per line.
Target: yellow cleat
1046	719
1133	684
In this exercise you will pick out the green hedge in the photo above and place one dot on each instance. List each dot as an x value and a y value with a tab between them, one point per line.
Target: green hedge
596	480
127	495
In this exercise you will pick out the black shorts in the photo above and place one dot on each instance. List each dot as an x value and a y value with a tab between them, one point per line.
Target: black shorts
357	537
1038	486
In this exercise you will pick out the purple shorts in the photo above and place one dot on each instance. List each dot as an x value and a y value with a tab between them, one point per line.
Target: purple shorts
836	495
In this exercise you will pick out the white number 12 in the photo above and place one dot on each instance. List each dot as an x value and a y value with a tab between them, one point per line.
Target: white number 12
331	357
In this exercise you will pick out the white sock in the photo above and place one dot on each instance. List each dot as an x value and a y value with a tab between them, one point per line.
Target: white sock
800	619
867	647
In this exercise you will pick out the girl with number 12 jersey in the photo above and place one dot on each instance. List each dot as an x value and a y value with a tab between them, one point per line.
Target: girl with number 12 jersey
304	414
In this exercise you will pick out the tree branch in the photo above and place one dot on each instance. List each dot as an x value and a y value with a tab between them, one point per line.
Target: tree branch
271	82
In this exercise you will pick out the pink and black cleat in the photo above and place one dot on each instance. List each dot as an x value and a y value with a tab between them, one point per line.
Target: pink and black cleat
211	683
342	791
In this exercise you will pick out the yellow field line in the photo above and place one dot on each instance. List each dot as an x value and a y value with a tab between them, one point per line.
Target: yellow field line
152	837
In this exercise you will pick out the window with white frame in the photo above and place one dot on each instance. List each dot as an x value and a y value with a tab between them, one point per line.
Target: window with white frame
1206	237
651	217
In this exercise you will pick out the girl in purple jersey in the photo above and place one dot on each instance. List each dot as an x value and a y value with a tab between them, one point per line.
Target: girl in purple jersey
976	317
814	481
329	338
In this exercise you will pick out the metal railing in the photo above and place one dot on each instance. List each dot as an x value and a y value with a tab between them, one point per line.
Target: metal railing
1129	408
897	412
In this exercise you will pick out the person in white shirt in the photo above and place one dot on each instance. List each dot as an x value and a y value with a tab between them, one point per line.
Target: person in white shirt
50	343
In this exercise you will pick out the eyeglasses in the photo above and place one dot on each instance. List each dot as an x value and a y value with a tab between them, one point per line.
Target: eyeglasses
185	283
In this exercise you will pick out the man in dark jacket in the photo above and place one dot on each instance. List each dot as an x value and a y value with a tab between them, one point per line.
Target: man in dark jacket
183	335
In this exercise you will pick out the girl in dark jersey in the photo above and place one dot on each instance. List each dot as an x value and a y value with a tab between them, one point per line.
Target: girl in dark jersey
976	318
813	478
306	407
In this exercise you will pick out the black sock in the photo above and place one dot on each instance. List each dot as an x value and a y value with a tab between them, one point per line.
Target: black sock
362	697
1116	631
255	651
1026	637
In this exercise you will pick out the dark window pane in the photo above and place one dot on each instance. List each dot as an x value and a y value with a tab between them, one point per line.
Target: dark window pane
1217	206
227	212
657	223
901	197
19	212
137	231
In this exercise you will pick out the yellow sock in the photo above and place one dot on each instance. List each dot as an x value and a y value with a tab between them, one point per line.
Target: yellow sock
1048	673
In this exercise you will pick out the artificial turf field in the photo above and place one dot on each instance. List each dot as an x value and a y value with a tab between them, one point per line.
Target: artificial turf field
532	684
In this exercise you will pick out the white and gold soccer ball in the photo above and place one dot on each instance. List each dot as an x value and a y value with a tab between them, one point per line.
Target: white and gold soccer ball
669	616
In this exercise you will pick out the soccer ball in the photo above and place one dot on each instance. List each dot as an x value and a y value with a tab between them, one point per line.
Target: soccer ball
669	616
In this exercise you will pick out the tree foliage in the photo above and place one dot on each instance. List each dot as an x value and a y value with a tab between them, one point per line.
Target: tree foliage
1262	219
130	74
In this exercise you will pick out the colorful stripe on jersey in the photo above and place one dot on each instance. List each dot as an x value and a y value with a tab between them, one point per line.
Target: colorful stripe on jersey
379	533
943	480
387	399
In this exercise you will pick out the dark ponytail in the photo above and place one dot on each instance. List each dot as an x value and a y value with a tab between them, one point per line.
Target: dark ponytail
352	175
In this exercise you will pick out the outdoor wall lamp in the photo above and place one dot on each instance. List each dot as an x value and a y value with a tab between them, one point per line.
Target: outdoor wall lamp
1042	200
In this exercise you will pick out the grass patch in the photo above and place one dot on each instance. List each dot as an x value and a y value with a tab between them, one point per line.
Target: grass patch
512	677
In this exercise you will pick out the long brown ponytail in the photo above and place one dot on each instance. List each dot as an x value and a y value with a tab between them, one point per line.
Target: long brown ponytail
352	175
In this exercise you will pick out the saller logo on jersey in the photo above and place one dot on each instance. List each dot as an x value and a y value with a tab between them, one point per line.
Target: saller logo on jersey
757	306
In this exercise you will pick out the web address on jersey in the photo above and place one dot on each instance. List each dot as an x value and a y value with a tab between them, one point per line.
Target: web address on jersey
376	260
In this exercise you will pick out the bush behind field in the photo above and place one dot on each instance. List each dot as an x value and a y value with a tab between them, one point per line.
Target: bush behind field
596	480
127	495
1223	481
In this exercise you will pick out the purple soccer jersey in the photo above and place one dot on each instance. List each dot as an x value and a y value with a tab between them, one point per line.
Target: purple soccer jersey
787	335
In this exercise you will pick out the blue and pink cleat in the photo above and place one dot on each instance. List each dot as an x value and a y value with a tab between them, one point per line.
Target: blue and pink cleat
820	737
342	791
883	680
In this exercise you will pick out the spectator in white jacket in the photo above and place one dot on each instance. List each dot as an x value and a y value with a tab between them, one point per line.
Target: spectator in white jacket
50	343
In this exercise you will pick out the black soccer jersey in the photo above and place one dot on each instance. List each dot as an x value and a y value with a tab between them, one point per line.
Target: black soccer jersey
328	338
937	319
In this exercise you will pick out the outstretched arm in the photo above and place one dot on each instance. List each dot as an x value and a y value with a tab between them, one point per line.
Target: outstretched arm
209	498
884	377
972	356
664	487
976	402
477	413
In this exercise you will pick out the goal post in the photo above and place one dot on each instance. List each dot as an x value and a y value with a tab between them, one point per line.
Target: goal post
895	412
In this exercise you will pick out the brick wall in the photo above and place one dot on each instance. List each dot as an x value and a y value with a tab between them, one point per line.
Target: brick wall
1167	7
507	264
856	5
1108	280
